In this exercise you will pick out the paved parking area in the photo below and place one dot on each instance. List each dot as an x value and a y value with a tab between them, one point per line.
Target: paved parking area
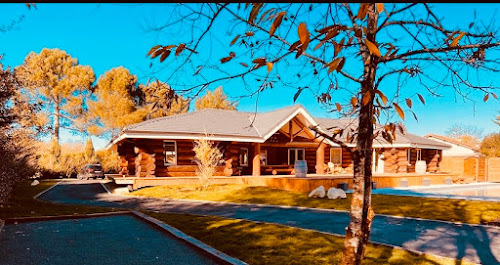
118	239
479	244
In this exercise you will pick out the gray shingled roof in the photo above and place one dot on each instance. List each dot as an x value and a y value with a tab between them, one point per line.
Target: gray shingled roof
406	138
226	123
217	122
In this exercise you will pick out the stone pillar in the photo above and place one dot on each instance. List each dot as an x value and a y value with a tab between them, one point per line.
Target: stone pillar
320	159
256	160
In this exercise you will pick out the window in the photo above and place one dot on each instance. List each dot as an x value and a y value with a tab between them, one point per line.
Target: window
295	154
409	155
263	157
243	157
170	150
336	156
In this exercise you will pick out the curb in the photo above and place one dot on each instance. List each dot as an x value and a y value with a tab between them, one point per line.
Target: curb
303	208
190	240
61	217
44	191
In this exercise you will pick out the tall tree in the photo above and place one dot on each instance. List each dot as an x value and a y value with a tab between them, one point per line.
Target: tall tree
377	58
89	150
161	100
56	79
214	100
119	102
490	146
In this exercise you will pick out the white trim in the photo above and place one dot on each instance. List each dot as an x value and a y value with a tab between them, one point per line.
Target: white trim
239	156
165	158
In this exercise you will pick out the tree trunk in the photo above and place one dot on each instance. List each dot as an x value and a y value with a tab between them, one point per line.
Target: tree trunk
358	231
57	113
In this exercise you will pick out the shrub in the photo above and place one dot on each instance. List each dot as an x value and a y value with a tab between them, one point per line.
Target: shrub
208	157
109	160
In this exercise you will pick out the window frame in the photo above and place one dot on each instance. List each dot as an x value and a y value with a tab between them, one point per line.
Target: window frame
295	149
331	155
239	157
165	163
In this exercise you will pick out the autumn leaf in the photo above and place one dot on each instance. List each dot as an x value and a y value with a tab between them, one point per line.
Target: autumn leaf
276	23
180	48
244	64
363	8
234	40
165	55
457	39
399	110
486	97
153	49
372	48
260	61
333	65
269	66
366	98
249	33
494	95
297	94
382	96
380	7
421	98
339	107
341	64
226	59
254	12
408	103
354	102
156	53
303	33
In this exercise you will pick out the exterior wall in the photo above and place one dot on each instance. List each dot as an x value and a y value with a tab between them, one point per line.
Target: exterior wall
455	150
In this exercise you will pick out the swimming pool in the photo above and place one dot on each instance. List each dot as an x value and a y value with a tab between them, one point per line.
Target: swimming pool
474	191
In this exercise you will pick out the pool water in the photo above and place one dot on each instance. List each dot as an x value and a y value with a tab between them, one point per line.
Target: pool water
474	191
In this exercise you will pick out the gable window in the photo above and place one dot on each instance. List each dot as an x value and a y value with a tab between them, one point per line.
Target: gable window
170	150
336	156
243	157
295	154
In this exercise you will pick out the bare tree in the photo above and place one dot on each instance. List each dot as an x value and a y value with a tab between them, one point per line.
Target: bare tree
375	59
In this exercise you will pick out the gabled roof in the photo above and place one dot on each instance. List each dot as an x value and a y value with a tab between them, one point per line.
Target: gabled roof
402	140
232	125
451	141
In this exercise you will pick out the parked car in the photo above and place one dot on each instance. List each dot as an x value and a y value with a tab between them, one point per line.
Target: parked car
91	171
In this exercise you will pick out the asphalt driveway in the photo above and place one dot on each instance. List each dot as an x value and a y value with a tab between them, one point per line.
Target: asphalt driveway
119	239
479	244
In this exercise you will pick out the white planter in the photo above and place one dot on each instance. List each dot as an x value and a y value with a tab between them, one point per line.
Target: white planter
300	168
420	166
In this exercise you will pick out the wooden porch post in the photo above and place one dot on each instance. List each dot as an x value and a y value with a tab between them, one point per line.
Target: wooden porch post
256	160
320	159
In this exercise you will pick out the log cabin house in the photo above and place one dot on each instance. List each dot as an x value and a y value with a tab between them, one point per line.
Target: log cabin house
258	144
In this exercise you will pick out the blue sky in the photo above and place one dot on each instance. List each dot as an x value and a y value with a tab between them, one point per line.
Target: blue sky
110	35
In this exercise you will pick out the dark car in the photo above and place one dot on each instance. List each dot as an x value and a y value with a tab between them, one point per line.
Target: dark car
91	171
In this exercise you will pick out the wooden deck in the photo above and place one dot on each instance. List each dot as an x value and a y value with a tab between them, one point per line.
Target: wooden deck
292	183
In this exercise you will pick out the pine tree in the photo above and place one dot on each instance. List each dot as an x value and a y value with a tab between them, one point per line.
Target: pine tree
55	80
215	100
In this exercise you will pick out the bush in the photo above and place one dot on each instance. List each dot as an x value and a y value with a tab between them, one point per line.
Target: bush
491	145
109	160
208	157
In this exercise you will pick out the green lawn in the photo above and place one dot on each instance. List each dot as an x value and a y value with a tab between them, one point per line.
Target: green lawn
252	242
473	212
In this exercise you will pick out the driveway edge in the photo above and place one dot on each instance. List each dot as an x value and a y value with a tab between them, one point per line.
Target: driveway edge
190	240
301	208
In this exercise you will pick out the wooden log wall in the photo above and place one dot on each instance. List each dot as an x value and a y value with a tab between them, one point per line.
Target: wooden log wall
395	160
